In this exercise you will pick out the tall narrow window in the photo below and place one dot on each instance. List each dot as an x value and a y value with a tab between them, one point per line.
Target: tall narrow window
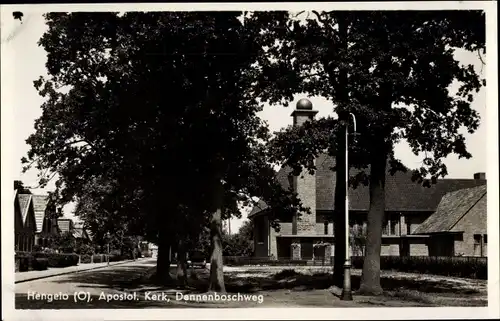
392	223
385	229
477	245
326	227
485	245
261	231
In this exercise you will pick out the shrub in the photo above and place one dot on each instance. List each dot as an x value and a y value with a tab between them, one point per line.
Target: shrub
24	261
85	259
85	249
49	250
243	260
31	260
459	266
40	264
99	258
116	258
17	264
286	273
58	259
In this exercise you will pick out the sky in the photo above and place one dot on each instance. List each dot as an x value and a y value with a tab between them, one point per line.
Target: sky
25	62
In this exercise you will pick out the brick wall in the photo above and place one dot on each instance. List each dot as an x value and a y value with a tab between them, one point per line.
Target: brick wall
474	222
273	247
305	184
320	229
286	228
418	247
306	189
414	220
385	250
402	225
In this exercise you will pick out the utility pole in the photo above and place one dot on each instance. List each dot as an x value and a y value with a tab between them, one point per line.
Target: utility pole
347	289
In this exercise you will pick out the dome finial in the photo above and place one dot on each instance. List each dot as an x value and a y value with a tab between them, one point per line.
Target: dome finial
304	104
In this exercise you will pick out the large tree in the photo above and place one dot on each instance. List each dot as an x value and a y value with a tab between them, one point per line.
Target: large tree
153	105
393	70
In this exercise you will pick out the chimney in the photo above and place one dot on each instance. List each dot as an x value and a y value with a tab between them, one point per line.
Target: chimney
481	176
305	184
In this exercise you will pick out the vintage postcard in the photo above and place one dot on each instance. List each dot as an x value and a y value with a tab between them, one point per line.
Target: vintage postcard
250	161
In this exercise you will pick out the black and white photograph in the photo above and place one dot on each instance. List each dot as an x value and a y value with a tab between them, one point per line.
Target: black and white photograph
171	159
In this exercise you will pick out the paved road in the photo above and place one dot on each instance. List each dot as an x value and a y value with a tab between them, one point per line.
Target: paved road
94	287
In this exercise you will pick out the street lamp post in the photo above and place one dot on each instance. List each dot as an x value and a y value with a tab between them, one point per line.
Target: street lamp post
347	291
109	238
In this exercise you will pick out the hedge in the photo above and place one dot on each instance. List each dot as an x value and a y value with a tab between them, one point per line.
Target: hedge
458	266
40	264
100	258
35	260
243	260
58	259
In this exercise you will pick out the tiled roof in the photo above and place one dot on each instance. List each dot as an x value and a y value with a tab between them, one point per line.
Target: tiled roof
402	194
65	224
40	204
24	204
78	233
452	208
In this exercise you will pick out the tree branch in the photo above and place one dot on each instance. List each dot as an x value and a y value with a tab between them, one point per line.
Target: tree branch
481	59
298	14
318	16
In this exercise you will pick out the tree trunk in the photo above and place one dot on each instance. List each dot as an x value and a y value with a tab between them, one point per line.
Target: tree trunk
163	260
370	278
216	259
181	265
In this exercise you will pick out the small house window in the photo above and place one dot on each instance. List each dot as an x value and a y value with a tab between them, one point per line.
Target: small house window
386	229
478	249
291	181
393	226
261	230
485	238
326	227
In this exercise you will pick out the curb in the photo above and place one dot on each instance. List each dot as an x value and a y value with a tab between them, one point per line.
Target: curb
70	272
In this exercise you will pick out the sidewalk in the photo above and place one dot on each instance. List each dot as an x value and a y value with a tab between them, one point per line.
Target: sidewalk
35	275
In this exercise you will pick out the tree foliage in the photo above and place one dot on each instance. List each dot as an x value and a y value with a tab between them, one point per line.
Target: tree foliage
241	243
19	186
393	70
145	114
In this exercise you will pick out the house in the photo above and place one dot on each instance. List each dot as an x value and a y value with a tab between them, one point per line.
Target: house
24	222
309	236
80	234
66	225
458	227
46	221
154	250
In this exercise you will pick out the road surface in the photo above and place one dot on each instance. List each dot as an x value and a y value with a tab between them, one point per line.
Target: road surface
100	288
